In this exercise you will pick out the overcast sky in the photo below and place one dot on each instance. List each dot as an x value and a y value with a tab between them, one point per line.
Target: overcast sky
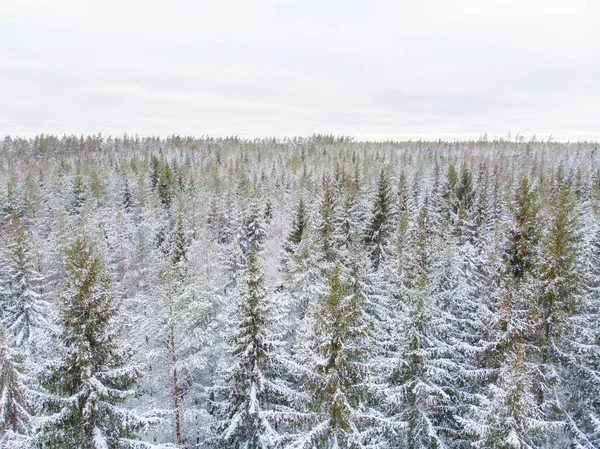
373	70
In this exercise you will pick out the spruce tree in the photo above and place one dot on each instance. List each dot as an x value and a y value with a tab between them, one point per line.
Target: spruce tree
299	224
25	310
326	224
508	413
179	244
334	372
581	359
15	398
254	391
509	418
78	191
422	388
92	376
254	228
559	301
378	232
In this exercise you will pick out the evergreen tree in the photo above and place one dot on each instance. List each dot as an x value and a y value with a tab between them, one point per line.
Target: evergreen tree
335	373
179	244
580	355
252	409
422	385
254	229
15	410
326	224
507	414
525	235
299	224
92	376
166	184
558	302
25	311
510	418
378	232
78	191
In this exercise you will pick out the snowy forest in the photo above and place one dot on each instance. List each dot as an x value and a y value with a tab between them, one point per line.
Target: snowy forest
298	293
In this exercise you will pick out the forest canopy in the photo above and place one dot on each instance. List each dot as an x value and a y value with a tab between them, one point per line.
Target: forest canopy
297	293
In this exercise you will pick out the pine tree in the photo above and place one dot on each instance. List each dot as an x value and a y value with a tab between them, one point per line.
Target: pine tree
92	376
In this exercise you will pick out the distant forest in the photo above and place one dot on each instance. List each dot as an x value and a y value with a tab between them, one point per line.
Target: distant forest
298	293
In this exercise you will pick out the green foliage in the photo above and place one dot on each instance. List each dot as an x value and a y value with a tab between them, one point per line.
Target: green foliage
247	417
337	385
521	255
15	412
379	229
166	184
299	224
92	376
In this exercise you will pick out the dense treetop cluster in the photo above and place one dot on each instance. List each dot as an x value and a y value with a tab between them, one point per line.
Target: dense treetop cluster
300	293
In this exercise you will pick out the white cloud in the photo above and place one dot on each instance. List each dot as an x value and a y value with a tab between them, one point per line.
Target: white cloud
387	69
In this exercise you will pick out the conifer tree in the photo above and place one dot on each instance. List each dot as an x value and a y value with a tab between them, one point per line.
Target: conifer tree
15	410
421	387
78	191
510	417
179	244
379	227
299	224
559	301
525	235
507	414
166	183
25	311
335	374
92	377
248	417
254	227
326	224
581	359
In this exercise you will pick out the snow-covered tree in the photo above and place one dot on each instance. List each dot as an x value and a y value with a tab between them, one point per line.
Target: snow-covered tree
15	398
333	368
379	230
25	308
422	385
254	393
92	376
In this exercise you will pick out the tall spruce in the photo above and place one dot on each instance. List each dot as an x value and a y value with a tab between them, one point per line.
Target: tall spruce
255	393
25	308
15	398
92	376
334	371
378	232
